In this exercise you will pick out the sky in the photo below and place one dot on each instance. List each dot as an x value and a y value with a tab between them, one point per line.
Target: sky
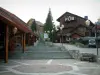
38	9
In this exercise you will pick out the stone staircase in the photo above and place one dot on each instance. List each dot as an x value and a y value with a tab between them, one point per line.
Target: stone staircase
44	51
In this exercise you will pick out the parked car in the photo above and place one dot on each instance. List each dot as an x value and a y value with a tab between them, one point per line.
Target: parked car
92	43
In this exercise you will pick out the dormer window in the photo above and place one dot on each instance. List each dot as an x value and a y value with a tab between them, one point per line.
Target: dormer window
82	29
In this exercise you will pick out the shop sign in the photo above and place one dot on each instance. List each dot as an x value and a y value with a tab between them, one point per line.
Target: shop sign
69	18
45	35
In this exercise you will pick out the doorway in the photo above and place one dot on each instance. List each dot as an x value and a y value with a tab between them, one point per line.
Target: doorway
2	40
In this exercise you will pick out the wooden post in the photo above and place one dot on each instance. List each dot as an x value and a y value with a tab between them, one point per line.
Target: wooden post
24	41
6	44
28	38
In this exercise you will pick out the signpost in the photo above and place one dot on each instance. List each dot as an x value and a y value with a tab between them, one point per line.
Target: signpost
45	36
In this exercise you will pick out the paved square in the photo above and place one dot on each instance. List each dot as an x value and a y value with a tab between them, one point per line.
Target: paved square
49	67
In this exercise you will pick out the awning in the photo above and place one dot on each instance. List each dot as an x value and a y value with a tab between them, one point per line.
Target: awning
13	20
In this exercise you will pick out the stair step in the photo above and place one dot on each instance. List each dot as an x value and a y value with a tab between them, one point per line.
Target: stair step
42	51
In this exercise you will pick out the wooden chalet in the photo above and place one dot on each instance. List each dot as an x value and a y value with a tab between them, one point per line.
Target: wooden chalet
35	36
74	27
12	30
95	29
39	28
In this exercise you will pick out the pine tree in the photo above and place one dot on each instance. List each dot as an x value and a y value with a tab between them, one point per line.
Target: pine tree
33	26
49	24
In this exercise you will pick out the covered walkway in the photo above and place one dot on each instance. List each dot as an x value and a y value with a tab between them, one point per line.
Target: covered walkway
12	30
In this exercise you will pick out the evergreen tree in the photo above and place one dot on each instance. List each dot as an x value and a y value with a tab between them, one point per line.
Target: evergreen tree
49	24
33	26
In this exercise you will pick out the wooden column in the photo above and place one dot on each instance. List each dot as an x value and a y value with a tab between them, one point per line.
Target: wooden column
24	41
6	44
28	39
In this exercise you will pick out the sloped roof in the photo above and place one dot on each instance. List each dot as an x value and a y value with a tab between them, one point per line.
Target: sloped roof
39	23
68	13
91	23
94	28
13	20
30	22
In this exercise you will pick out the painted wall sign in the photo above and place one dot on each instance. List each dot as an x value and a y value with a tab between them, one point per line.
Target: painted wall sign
69	18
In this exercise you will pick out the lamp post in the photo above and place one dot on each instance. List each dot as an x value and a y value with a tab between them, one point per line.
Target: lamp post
56	30
52	35
48	35
61	39
96	38
97	23
88	23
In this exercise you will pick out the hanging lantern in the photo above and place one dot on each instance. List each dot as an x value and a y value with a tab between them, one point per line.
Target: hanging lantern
14	30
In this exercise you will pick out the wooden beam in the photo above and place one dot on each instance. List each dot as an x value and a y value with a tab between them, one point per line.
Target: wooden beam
6	44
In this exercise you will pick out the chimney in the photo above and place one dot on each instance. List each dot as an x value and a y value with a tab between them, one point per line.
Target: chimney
86	17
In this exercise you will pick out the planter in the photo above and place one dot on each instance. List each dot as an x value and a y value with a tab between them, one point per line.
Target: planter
88	57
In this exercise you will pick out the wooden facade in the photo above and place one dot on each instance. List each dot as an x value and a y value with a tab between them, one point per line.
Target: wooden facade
95	29
74	27
8	38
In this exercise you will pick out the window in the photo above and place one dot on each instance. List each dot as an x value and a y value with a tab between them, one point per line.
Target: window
82	29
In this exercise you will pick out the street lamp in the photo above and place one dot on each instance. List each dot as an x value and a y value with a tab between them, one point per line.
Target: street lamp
97	23
88	23
52	35
96	38
61	28
48	35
